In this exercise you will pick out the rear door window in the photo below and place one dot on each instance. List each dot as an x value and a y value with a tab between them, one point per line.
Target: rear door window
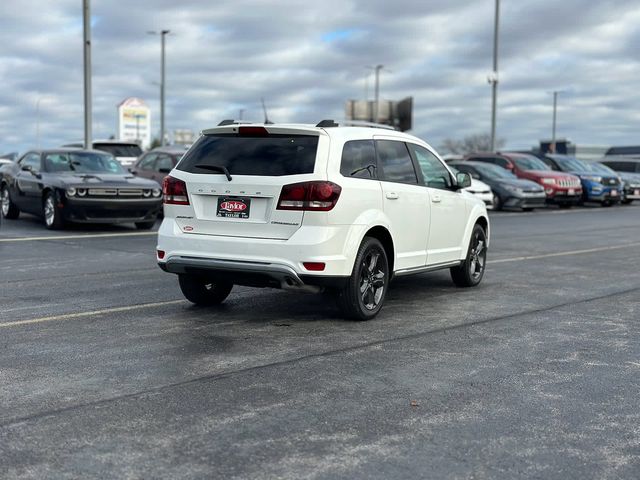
273	155
359	159
395	162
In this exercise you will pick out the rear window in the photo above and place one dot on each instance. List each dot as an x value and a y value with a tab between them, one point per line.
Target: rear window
267	156
119	150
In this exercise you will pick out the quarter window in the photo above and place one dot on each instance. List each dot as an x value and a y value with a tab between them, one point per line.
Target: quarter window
359	159
434	172
395	161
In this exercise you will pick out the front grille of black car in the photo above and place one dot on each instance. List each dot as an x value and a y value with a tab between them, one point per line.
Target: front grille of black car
99	213
115	192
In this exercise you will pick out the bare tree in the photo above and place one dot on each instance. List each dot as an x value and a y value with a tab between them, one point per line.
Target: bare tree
470	144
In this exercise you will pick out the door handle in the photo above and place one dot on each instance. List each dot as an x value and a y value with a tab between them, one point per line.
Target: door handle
436	199
392	196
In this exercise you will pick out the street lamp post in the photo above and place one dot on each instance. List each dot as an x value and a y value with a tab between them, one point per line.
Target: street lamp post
377	91
555	93
494	78
162	34
86	17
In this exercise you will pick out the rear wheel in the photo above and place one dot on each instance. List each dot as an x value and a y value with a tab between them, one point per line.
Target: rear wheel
471	271
145	225
364	294
52	215
202	291
9	209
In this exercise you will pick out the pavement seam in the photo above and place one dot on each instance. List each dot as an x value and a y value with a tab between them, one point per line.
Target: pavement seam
363	346
75	237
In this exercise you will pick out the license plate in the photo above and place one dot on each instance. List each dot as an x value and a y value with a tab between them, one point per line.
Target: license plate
614	193
571	192
233	207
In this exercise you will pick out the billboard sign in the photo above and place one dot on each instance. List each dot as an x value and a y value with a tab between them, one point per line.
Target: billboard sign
134	121
396	114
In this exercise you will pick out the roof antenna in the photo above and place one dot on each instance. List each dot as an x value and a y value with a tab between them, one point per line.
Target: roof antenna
266	118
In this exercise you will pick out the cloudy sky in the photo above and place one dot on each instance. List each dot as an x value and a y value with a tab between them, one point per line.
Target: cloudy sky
306	58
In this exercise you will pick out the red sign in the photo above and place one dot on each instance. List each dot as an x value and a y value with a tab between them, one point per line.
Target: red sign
233	206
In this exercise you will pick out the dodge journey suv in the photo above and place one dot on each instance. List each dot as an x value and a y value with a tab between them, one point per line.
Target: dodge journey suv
314	208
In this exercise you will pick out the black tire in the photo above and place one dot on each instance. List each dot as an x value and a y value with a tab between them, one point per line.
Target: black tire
527	209
52	215
371	273
565	205
471	271
145	225
202	291
626	202
497	203
9	209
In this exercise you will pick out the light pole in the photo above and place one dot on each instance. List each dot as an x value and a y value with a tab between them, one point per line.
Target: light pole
377	91
86	22
493	80
162	34
555	93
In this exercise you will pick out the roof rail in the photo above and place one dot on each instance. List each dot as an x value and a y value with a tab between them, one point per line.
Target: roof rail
327	124
358	123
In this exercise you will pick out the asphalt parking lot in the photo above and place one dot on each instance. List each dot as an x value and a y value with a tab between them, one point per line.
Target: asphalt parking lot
105	371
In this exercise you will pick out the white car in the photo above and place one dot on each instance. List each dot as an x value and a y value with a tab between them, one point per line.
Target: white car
316	207
481	191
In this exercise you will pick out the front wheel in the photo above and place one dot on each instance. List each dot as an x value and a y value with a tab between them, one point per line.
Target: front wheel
203	291
9	209
364	294
52	215
471	271
497	202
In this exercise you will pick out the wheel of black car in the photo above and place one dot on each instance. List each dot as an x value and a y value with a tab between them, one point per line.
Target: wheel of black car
9	209
202	291
52	216
497	202
364	294
471	271
145	225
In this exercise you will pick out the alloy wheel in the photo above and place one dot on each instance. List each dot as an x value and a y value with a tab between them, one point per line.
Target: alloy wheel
49	211
477	256
5	202
372	279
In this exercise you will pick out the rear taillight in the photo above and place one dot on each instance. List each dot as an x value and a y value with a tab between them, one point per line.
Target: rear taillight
316	196
174	191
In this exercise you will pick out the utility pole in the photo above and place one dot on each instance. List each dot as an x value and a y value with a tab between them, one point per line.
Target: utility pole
86	17
493	80
163	33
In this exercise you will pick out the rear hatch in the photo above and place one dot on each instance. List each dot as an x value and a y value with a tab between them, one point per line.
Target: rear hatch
234	176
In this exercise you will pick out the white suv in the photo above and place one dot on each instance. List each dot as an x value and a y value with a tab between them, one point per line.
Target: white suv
316	207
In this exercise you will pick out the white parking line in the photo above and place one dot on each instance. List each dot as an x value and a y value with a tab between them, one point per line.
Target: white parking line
75	237
564	254
93	313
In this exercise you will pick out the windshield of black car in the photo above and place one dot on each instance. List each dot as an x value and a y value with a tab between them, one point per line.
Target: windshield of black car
264	155
570	164
119	150
530	163
81	162
494	172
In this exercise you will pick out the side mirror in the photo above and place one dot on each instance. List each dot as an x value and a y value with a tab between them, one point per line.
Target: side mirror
164	170
463	180
509	166
132	171
27	168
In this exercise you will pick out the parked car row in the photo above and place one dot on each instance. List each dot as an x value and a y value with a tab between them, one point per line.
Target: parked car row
521	180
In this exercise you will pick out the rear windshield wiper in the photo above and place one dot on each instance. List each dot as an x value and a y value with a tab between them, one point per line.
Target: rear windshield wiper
215	168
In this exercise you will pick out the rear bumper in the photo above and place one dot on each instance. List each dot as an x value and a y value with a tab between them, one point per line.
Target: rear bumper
335	246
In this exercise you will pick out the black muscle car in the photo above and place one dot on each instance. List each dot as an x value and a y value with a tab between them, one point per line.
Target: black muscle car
74	185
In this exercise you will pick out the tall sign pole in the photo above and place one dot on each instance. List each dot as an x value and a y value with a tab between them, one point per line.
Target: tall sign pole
494	79
86	15
377	92
162	128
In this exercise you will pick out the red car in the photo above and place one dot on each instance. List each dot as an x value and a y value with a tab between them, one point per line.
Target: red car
561	188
